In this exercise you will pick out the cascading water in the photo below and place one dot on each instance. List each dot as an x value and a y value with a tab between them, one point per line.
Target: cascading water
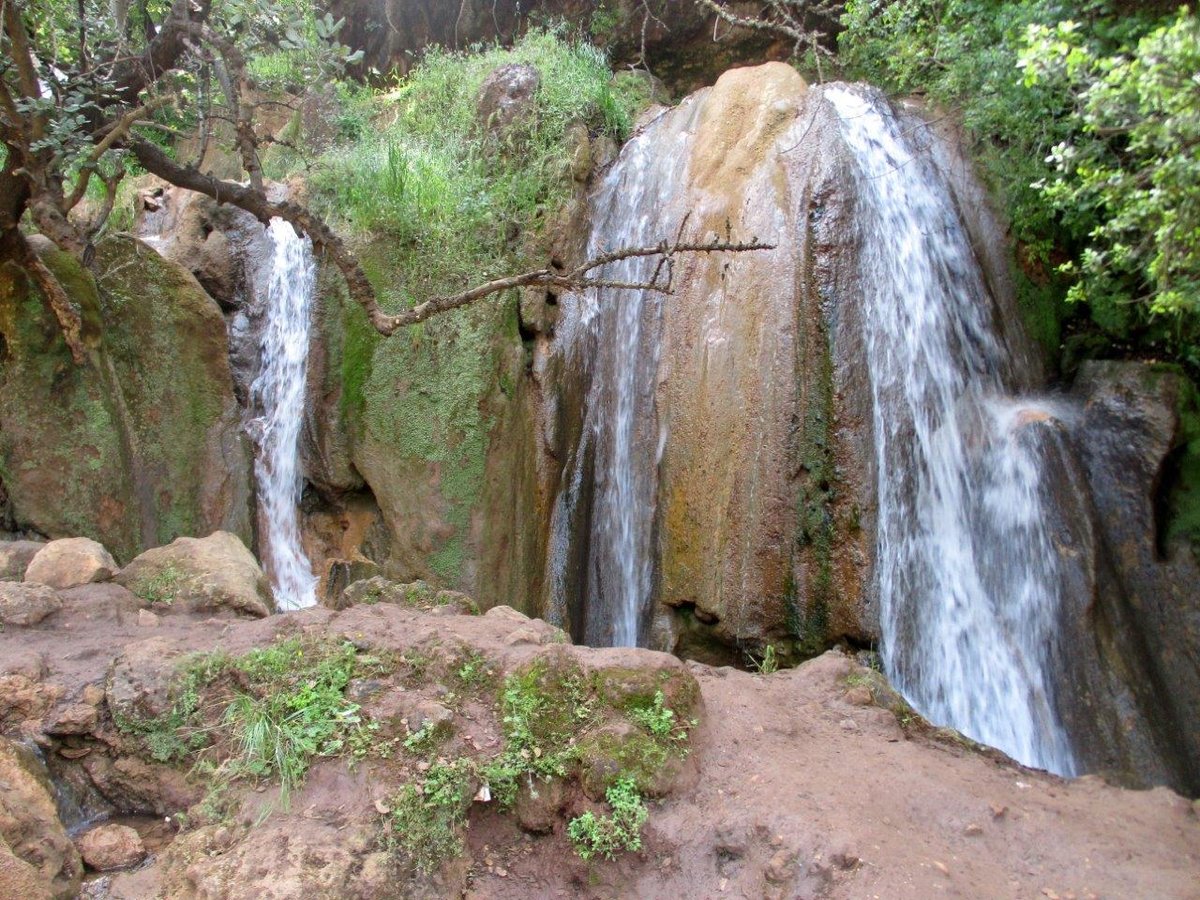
278	393
621	431
966	569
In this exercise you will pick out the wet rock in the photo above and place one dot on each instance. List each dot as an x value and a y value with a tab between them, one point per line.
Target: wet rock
18	878
110	847
70	562
29	822
199	574
1141	685
15	557
134	785
27	604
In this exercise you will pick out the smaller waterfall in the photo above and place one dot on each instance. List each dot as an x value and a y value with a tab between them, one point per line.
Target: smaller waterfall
968	585
278	393
617	333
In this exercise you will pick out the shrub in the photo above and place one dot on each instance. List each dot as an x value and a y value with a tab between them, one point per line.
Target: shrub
607	835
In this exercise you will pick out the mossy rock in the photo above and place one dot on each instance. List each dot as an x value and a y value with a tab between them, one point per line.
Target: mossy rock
141	443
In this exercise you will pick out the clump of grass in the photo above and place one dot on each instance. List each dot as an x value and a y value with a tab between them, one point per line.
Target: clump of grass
266	714
425	817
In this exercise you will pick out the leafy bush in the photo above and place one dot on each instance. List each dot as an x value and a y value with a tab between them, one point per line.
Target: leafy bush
605	836
1084	120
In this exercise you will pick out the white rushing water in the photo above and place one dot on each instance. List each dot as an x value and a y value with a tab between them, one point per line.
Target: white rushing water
621	436
278	394
967	572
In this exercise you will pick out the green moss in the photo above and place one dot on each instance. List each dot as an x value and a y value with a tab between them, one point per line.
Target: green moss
809	617
1184	498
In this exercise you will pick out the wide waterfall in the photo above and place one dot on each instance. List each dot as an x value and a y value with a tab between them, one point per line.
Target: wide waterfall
966	571
616	333
278	395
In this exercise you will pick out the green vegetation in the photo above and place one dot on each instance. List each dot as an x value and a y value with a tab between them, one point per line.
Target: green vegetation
605	836
162	586
266	714
557	723
426	817
1085	118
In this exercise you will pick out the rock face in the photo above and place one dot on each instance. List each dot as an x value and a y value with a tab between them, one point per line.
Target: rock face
764	460
111	847
27	604
1139	627
212	573
70	562
139	444
29	823
675	38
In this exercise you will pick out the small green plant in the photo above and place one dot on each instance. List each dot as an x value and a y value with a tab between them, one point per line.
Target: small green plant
658	719
767	663
425	737
607	835
162	586
426	817
473	671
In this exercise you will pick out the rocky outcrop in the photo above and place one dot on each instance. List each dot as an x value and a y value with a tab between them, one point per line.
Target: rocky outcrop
201	574
139	444
15	557
1142	614
70	562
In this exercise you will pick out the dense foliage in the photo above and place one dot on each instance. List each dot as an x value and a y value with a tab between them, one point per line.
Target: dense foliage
413	163
1086	119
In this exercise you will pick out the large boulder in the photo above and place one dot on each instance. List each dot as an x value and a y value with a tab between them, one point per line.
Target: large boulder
70	562
29	822
195	574
27	604
142	442
1144	617
15	557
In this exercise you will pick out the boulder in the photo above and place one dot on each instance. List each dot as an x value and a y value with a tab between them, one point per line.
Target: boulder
507	100
15	557
70	562
29	822
142	442
416	595
200	574
27	604
110	847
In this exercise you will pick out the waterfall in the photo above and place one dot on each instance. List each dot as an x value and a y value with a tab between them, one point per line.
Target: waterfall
967	572
278	393
616	333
